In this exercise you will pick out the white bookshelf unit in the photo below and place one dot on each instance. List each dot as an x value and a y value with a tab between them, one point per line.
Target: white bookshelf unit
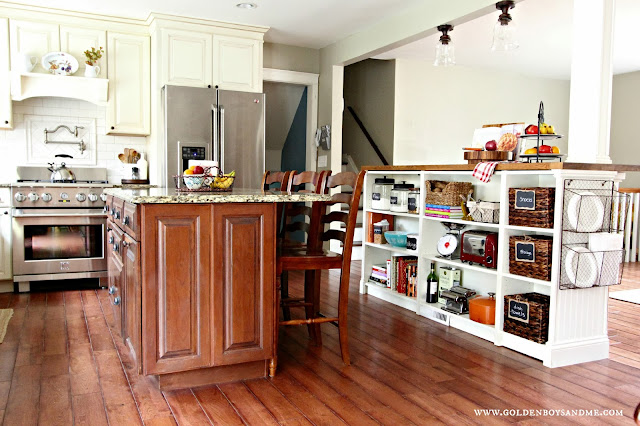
577	318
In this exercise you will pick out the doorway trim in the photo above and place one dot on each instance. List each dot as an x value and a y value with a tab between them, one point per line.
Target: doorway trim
310	80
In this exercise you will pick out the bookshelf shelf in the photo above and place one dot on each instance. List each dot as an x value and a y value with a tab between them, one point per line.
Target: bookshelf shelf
575	316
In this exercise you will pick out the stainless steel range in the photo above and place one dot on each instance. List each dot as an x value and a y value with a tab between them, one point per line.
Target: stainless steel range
58	228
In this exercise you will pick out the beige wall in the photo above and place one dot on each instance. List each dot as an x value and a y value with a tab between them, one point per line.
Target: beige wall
369	88
437	109
292	58
625	107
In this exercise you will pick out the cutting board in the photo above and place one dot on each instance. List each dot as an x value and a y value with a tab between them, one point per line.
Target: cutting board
475	157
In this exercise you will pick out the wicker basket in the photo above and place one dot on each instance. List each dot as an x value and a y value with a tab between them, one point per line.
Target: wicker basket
536	327
449	192
541	216
484	211
540	267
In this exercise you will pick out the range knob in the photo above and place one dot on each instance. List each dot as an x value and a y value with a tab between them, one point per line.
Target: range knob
103	197
81	197
33	197
20	197
93	197
64	196
46	197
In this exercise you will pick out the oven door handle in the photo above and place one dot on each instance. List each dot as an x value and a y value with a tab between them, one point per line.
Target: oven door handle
49	213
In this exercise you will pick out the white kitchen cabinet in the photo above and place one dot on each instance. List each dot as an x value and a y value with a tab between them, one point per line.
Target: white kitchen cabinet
129	72
6	272
75	40
6	115
34	39
237	63
188	58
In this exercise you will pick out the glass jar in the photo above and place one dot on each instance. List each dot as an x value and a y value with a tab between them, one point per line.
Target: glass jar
414	200
399	199
380	196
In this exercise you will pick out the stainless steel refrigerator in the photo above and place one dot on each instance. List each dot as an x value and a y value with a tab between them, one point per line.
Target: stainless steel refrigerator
213	124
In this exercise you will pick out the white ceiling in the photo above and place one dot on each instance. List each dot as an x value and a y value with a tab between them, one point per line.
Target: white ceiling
307	23
545	35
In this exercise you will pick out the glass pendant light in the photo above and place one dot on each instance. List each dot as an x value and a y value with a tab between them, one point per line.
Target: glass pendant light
445	51
504	31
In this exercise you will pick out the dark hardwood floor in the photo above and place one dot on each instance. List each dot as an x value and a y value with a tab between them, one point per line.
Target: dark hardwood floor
62	363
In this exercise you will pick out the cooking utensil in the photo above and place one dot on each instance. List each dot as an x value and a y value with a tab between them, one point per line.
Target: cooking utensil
122	158
483	309
61	173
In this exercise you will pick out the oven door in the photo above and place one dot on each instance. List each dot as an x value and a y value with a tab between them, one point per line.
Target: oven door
58	241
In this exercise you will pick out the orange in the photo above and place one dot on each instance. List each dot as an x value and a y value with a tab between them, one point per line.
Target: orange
188	172
555	150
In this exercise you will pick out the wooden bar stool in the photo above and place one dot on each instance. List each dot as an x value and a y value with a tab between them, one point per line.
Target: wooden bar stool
313	257
278	181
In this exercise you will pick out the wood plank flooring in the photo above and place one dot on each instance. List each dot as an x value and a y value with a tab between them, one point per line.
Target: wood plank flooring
62	363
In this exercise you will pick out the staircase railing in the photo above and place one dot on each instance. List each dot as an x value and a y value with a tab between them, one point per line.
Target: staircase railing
631	236
368	136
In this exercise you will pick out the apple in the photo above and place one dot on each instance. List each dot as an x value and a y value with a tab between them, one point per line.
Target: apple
544	149
531	130
198	170
491	146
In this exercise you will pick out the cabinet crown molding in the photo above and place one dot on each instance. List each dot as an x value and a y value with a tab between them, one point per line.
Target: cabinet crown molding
162	20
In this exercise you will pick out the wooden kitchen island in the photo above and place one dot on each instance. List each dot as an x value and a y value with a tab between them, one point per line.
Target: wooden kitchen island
192	281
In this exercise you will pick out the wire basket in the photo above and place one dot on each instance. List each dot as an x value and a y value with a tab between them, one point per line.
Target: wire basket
593	206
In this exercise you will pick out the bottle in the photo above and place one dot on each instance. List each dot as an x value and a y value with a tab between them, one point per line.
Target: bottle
143	166
432	285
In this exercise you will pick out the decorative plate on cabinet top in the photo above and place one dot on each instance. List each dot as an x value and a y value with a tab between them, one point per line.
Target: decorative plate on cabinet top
60	63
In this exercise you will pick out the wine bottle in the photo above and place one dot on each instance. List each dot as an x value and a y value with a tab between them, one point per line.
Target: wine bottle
432	285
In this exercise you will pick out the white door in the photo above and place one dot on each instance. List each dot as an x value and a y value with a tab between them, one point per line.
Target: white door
75	40
35	39
186	58
6	115
129	72
237	63
5	244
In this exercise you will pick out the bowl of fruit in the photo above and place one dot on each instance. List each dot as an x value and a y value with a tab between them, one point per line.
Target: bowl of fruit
193	177
223	182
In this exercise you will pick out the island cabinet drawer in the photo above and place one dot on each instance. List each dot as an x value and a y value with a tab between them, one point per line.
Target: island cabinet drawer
130	220
117	210
114	241
116	279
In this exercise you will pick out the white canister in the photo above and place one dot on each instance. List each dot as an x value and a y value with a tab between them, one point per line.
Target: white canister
399	199
380	196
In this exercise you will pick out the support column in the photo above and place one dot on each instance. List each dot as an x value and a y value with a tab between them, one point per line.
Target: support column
591	79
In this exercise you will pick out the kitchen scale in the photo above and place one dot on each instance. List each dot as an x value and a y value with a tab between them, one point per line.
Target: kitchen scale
449	244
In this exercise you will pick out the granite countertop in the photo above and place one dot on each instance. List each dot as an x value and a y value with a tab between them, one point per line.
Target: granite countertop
5	185
134	186
171	196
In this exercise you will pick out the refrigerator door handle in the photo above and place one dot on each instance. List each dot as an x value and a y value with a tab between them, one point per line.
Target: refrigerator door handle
214	132
221	139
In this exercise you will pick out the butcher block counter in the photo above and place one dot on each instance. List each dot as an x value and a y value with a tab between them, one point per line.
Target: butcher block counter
192	281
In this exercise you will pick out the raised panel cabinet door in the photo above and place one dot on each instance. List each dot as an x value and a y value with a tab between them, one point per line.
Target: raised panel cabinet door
237	63
33	39
116	278
6	114
244	283
75	40
176	272
5	244
132	316
129	72
187	58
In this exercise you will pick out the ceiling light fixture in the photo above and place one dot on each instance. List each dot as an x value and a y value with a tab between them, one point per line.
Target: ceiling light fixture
247	5
504	30
445	52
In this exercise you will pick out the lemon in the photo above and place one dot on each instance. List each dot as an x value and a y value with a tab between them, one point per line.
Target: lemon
531	151
555	150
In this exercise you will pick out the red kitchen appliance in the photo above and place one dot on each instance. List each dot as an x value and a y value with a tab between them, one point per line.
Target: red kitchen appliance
480	247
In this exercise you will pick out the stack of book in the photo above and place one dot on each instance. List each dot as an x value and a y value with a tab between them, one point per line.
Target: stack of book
445	212
379	275
402	273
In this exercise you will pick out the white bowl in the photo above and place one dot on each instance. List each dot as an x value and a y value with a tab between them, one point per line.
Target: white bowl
193	181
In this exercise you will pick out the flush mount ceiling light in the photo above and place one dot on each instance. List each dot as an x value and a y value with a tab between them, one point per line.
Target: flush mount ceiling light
445	53
504	37
247	5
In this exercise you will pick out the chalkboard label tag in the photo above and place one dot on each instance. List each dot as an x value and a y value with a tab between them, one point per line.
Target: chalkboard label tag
375	196
518	311
525	252
393	200
413	204
525	200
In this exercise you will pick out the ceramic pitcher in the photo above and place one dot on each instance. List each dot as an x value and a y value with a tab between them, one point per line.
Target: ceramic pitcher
91	71
26	62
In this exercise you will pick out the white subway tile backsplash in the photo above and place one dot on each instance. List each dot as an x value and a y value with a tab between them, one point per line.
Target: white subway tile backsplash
20	147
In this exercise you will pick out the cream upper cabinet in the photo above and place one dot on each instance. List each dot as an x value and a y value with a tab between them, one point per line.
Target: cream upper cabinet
237	63
129	72
188	58
6	116
75	40
34	39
